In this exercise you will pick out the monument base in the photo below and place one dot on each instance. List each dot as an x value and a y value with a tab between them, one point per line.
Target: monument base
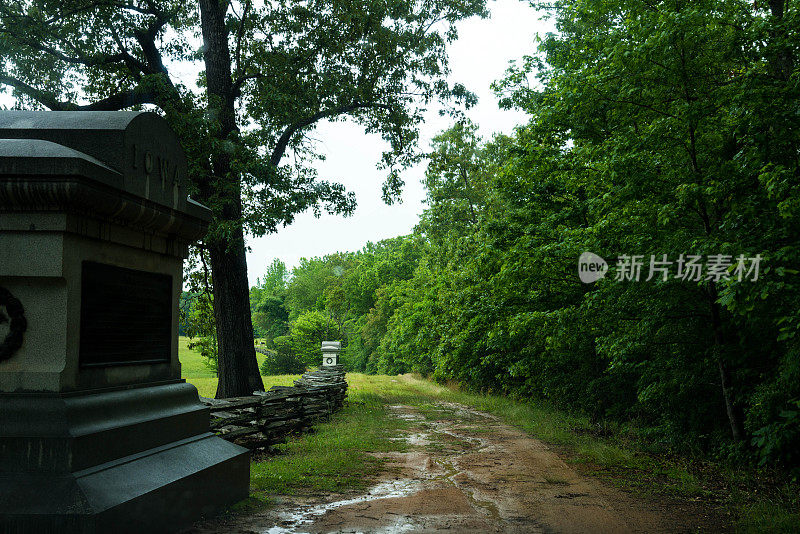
163	470
160	490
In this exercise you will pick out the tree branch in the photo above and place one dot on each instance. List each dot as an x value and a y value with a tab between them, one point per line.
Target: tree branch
89	61
135	67
239	36
89	6
115	102
46	99
237	83
134	97
288	133
147	40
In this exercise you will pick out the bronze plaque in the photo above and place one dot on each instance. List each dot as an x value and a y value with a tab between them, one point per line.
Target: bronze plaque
126	316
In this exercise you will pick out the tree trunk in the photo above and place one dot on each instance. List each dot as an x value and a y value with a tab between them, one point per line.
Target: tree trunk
236	364
735	418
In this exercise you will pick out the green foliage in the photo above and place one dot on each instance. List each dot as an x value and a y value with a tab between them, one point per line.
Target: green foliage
272	284
267	303
282	360
643	139
306	289
338	297
271	318
197	322
666	129
300	348
779	441
196	319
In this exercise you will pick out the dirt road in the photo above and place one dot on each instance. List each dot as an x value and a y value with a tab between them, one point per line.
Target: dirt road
466	471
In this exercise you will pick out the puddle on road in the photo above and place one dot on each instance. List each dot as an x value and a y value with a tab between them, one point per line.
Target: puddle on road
466	413
476	442
401	412
294	521
420	439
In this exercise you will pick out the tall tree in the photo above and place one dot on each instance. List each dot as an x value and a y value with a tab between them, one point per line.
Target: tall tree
271	72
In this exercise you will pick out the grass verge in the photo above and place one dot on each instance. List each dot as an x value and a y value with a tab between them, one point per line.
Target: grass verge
336	457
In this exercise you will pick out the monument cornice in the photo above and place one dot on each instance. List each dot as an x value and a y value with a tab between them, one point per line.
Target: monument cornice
42	176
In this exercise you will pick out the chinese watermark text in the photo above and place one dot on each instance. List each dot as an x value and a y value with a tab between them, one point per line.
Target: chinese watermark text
686	267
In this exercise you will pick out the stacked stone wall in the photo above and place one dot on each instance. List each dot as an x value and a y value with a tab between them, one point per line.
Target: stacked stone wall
267	418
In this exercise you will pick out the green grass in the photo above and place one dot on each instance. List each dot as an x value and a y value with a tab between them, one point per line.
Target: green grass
197	373
766	516
335	458
192	364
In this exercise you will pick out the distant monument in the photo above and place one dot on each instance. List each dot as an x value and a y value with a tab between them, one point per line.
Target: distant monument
98	432
330	352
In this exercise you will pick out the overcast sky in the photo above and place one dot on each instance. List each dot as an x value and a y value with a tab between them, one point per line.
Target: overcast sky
479	57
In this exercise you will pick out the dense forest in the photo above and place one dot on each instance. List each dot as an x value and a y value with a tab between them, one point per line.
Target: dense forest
666	131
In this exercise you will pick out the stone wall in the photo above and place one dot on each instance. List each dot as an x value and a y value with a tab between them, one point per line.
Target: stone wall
266	418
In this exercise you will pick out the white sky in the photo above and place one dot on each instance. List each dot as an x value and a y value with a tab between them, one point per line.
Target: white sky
479	57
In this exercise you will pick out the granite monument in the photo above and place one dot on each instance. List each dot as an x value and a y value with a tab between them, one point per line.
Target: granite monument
98	432
330	352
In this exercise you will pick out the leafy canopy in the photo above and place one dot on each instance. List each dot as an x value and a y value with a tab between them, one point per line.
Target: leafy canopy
292	64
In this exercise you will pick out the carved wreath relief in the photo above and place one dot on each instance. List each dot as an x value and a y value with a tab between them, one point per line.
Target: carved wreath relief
13	322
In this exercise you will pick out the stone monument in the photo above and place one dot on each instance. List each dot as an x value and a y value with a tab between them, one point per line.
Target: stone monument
330	352
98	432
